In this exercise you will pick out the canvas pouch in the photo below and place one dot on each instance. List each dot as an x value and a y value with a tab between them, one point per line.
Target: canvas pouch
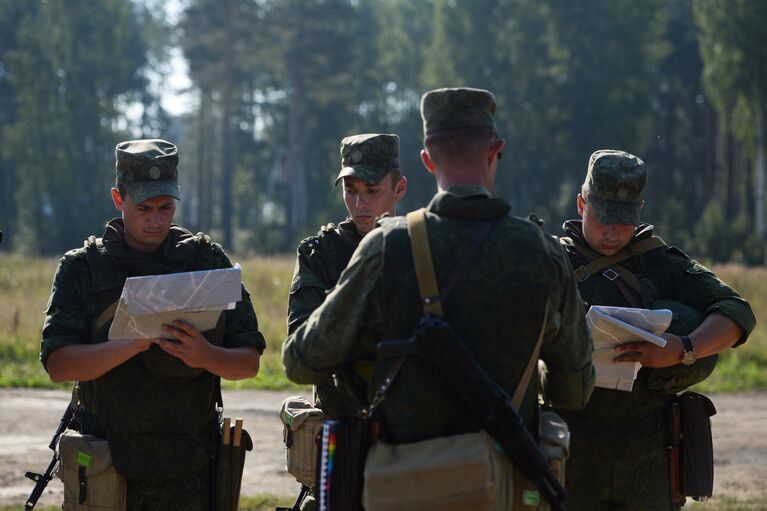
302	425
90	480
460	472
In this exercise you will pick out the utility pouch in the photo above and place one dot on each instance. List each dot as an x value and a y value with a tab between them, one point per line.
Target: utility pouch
460	472
691	452
90	480
302	426
230	462
343	447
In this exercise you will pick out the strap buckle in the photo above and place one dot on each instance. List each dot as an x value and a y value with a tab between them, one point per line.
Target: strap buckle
610	274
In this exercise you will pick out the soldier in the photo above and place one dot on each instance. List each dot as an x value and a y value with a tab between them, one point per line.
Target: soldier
373	184
497	305
152	399
618	455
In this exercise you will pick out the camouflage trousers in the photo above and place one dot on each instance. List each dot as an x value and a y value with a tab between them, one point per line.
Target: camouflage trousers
618	464
188	493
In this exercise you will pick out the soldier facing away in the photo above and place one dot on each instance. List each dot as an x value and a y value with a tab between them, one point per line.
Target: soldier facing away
152	399
497	305
373	184
619	455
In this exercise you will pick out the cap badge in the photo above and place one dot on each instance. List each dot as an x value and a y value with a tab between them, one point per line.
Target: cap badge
356	156
154	173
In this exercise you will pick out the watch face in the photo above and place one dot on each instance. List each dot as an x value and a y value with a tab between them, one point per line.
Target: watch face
689	358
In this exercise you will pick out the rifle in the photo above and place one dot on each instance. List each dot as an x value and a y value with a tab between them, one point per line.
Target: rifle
42	480
435	341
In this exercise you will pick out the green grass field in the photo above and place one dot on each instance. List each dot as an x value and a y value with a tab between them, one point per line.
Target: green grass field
25	284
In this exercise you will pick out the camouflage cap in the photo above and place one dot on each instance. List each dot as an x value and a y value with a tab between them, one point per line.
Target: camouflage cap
147	169
462	108
614	185
369	157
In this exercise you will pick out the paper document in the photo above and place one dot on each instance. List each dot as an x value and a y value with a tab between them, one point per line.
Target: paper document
611	326
197	297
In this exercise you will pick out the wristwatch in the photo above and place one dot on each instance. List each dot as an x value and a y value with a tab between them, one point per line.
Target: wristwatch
689	356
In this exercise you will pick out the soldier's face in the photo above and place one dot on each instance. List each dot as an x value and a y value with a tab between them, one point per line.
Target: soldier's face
147	223
606	239
366	202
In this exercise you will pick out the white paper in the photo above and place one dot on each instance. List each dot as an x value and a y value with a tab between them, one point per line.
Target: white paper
611	326
199	297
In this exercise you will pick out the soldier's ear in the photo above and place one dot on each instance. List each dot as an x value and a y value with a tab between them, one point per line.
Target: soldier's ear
580	205
427	161
117	199
400	188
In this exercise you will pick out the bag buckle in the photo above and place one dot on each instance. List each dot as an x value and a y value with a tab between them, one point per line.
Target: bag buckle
610	274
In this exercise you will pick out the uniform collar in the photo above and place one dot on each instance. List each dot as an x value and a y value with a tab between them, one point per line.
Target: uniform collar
574	230
467	201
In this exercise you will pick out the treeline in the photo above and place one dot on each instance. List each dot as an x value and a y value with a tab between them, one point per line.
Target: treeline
278	83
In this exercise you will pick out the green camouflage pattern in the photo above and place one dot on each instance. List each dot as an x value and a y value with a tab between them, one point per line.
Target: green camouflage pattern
147	169
369	157
496	306
461	108
320	260
622	434
154	410
614	185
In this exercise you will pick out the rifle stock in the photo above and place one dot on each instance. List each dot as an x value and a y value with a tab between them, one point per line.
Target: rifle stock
42	480
437	342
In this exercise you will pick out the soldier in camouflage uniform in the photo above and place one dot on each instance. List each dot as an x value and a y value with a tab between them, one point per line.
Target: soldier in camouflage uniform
618	455
497	305
152	399
373	184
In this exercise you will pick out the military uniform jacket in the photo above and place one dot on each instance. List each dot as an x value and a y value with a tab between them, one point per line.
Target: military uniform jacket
319	263
665	273
154	410
496	306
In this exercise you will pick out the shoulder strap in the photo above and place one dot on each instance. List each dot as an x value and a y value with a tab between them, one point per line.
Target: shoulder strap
432	302
598	262
422	261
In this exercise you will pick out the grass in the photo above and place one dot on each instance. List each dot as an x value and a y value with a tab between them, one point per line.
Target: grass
25	285
726	504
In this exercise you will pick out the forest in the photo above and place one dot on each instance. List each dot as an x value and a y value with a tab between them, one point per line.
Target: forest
276	84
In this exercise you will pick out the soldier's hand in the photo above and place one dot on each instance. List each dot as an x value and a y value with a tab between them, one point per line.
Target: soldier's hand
652	355
190	345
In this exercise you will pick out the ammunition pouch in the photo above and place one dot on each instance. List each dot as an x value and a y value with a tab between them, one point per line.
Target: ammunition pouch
691	452
230	463
90	480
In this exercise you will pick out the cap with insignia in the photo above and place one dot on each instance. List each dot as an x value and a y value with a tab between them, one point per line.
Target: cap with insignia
614	185
369	157
147	169
461	108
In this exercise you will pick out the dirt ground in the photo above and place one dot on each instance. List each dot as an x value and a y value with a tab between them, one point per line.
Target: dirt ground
30	416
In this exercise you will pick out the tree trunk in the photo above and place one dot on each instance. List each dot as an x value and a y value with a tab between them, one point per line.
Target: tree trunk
226	132
759	220
201	218
295	171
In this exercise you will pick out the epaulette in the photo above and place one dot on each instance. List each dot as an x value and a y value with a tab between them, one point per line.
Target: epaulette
202	239
311	242
536	219
331	227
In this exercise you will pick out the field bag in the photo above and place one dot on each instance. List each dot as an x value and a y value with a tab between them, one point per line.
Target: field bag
90	480
466	471
691	451
302	425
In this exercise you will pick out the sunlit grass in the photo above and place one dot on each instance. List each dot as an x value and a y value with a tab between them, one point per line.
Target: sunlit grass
25	285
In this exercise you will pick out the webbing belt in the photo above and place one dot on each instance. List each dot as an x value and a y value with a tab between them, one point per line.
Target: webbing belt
599	262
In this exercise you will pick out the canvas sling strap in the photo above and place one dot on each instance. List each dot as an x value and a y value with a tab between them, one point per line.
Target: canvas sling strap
610	267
